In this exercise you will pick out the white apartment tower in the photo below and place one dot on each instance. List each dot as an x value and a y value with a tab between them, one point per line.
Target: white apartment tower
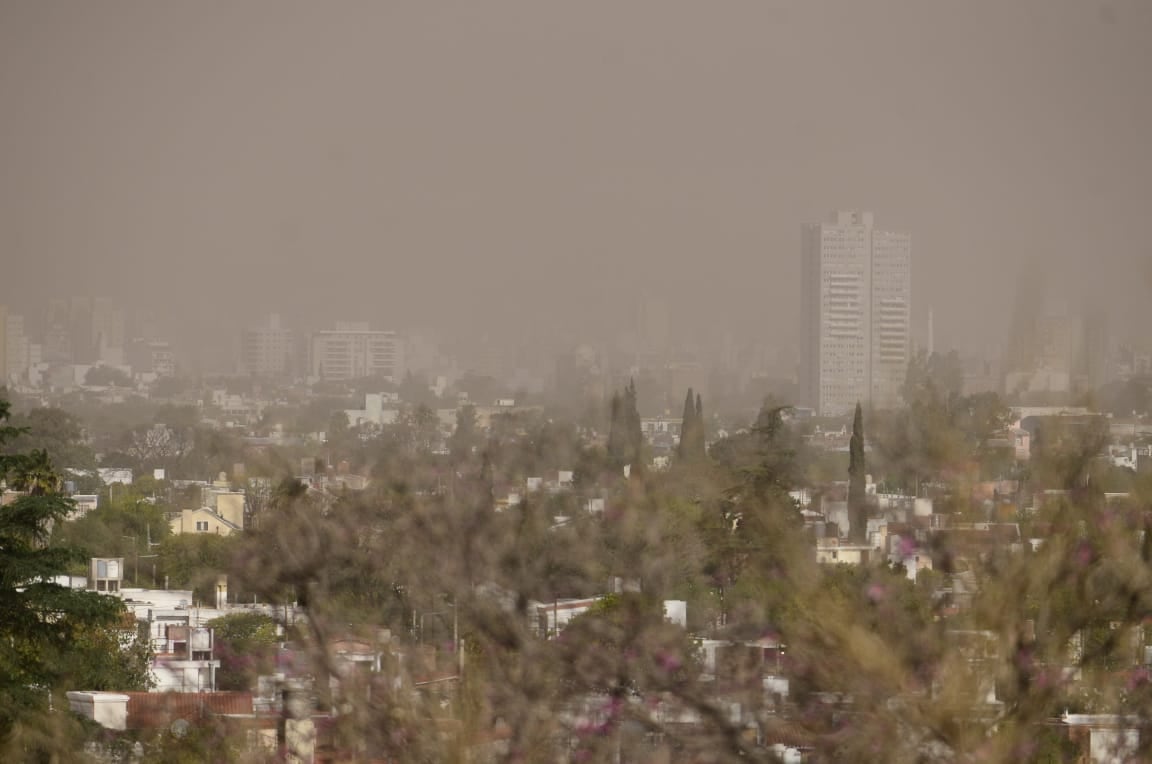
856	302
267	350
353	351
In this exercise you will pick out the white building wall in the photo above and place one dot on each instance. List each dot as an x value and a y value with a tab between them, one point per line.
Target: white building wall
356	353
856	313
891	315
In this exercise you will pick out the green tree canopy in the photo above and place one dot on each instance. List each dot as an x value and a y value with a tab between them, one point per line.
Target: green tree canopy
54	431
41	621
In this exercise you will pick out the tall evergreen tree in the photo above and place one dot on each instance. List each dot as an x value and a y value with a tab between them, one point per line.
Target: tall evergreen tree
699	444
40	621
617	449
687	426
634	428
626	435
857	509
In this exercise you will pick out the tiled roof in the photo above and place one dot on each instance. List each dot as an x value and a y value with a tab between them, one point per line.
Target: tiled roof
160	709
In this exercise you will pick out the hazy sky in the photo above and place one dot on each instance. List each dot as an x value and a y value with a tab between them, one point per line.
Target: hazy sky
481	162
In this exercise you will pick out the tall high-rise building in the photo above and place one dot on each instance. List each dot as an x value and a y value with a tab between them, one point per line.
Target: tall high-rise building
107	333
353	351
81	330
856	302
57	332
267	350
16	348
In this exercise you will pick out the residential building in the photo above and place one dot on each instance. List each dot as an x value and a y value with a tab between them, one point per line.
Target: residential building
379	409
151	357
185	658
83	503
267	350
856	302
833	551
204	520
353	351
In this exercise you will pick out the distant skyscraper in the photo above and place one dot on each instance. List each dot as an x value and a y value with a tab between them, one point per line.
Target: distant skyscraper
856	302
267	350
107	338
353	351
16	348
57	332
82	330
1097	348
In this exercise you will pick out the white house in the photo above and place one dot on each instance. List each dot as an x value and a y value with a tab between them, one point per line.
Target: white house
375	411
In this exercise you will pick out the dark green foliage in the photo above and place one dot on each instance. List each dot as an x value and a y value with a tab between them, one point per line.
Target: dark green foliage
194	560
940	433
107	376
687	427
622	644
40	621
464	438
769	458
122	526
701	429
54	431
692	430
246	644
857	508
625	434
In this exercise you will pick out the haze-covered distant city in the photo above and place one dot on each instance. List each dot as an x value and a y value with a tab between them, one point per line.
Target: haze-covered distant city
512	381
531	174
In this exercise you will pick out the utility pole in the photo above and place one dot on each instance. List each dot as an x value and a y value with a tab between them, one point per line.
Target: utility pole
456	642
136	551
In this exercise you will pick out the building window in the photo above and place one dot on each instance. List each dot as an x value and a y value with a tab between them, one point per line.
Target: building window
201	526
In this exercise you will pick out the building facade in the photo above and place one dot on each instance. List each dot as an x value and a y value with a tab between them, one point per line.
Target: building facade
267	350
353	351
17	355
856	303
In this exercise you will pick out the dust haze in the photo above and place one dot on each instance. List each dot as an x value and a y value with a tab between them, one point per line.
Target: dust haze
531	173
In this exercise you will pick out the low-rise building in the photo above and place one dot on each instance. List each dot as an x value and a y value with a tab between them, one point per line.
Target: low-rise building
83	503
831	551
379	409
204	520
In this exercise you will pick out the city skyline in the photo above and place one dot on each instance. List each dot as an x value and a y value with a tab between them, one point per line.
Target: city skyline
433	180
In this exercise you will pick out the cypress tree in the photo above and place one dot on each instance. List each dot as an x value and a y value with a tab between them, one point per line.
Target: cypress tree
616	442
634	431
699	445
39	619
687	427
857	510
